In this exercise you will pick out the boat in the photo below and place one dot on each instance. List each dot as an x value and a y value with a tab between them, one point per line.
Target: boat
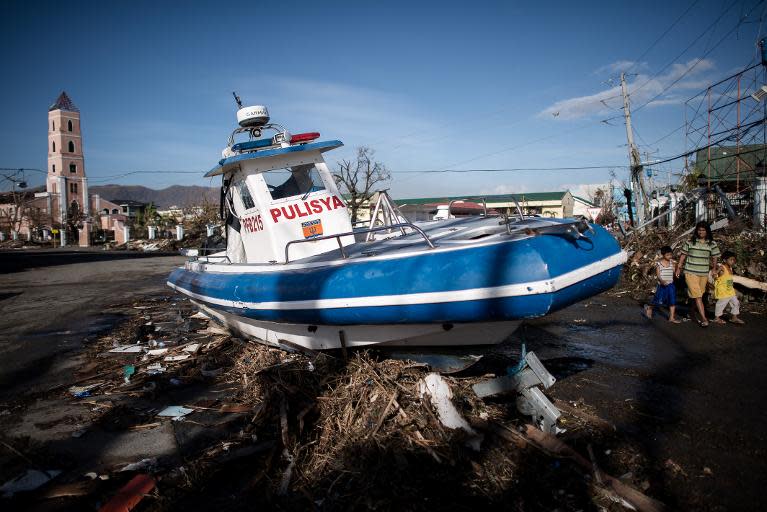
295	273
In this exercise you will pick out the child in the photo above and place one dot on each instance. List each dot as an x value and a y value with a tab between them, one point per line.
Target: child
665	292
724	292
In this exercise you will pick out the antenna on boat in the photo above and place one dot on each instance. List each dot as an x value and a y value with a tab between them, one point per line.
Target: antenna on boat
237	99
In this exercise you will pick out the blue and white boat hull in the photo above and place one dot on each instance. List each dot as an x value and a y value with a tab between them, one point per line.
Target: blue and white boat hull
452	294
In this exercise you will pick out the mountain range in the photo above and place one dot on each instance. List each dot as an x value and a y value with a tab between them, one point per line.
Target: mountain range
176	195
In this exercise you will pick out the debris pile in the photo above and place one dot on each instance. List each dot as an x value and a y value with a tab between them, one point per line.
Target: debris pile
256	425
160	244
749	246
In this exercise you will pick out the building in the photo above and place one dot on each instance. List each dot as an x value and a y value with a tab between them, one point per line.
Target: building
581	207
547	204
130	208
732	167
739	173
66	205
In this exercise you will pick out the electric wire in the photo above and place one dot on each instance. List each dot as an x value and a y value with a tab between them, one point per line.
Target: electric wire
689	69
672	61
660	37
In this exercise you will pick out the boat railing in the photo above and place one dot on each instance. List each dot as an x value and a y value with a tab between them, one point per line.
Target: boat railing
338	237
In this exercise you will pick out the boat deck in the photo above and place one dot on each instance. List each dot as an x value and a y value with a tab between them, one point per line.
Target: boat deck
444	235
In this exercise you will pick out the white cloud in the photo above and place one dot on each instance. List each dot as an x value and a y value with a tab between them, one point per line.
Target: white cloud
517	188
619	67
642	89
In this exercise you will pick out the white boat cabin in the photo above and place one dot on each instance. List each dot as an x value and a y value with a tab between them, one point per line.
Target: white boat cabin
276	191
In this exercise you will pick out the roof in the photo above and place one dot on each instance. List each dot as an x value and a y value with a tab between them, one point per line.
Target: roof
64	102
128	202
498	198
584	201
729	163
226	164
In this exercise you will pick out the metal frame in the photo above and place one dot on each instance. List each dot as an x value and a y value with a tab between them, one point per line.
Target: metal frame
338	236
386	209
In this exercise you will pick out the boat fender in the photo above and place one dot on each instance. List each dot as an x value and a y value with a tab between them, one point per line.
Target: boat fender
447	326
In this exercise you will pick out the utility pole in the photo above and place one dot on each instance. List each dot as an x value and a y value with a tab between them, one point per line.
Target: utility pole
637	180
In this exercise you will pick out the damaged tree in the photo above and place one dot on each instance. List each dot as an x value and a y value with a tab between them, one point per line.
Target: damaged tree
358	178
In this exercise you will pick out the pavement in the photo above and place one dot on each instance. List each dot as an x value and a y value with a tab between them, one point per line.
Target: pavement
53	300
687	402
684	404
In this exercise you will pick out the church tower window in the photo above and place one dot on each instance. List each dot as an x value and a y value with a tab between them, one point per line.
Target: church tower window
54	146
54	167
72	168
53	125
71	147
69	125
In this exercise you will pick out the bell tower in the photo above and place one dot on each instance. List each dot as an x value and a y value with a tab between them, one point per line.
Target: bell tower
66	181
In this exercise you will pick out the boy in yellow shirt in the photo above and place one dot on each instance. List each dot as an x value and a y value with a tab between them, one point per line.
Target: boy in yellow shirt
724	292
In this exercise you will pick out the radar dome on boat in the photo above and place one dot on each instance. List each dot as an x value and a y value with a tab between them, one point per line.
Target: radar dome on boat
254	116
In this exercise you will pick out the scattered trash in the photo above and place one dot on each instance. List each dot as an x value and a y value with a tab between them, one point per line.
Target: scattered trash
155	369
176	412
142	465
180	357
84	391
439	391
128	370
28	481
300	414
127	349
130	494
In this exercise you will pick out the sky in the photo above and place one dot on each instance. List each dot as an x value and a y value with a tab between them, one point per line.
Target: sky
430	86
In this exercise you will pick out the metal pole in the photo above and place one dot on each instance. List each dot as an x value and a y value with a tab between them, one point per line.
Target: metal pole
737	144
708	144
636	165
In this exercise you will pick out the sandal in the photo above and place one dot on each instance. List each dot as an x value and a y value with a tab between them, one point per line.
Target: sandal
736	321
719	321
703	323
674	321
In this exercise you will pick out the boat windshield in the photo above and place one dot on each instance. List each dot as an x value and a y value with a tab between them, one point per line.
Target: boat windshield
293	181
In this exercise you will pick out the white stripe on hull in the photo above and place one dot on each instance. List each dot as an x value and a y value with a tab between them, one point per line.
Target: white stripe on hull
496	292
328	336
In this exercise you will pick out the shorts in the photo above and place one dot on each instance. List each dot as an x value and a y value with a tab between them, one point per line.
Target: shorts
722	303
696	285
665	295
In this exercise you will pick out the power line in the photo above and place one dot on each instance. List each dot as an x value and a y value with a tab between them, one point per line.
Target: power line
745	128
664	34
130	173
513	169
740	21
672	61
